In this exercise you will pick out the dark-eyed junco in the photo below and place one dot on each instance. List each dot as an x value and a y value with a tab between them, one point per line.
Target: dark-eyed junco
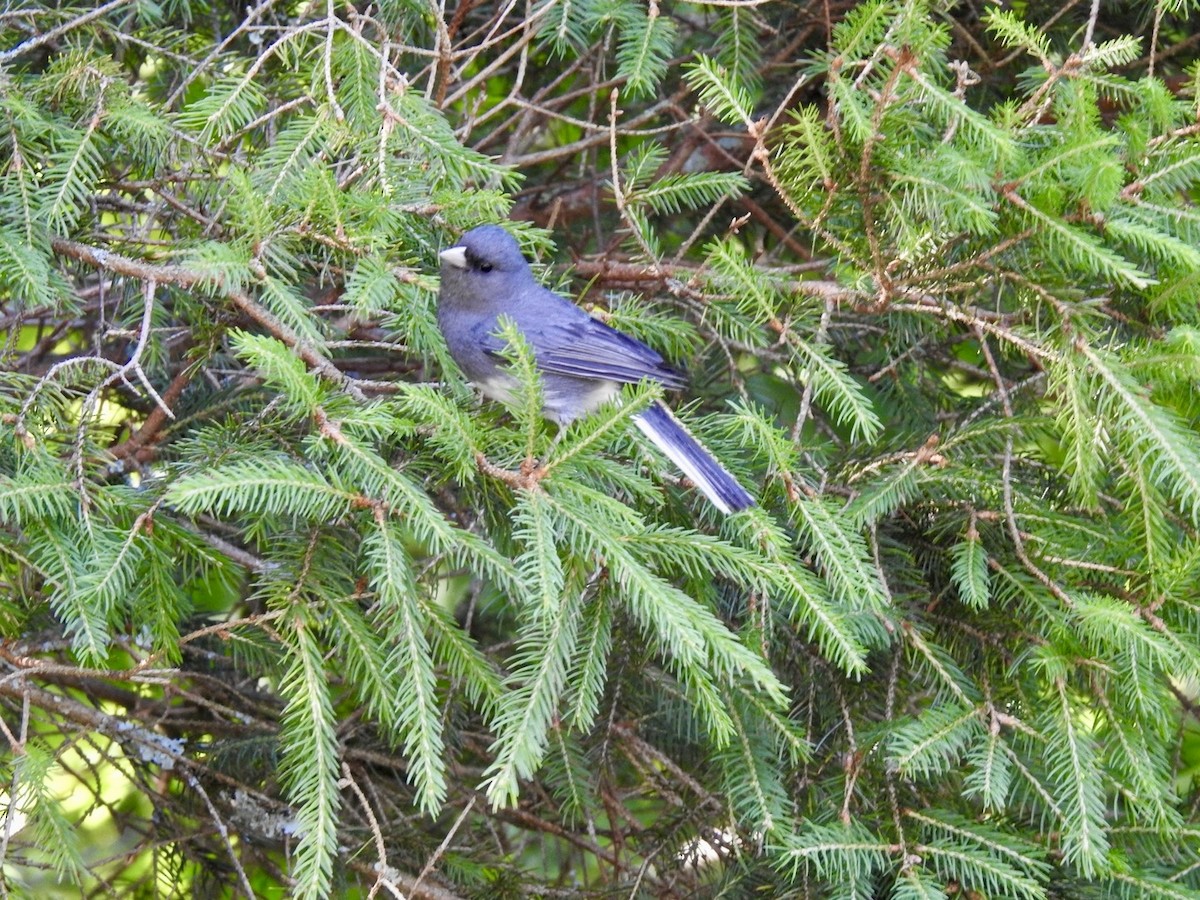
581	361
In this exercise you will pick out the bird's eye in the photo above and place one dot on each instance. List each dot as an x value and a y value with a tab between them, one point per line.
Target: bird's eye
485	267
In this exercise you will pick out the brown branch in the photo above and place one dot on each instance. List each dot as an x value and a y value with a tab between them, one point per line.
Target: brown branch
55	33
528	820
135	445
179	276
638	276
406	883
524	479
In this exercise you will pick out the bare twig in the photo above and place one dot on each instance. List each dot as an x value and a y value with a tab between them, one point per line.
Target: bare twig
182	277
441	848
55	33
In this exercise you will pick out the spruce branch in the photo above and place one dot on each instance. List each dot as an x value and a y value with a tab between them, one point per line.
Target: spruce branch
185	278
944	268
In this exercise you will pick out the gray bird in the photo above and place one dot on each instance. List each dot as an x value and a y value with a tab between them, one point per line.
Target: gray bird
581	361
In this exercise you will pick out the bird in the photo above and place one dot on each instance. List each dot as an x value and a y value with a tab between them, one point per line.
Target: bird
581	361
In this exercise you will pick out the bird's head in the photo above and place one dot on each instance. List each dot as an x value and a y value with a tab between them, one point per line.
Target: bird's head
486	260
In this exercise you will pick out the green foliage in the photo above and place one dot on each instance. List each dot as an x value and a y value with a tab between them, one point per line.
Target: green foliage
644	44
407	680
285	606
309	758
968	570
32	799
720	91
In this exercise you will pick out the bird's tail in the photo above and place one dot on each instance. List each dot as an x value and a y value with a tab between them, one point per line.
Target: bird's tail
671	437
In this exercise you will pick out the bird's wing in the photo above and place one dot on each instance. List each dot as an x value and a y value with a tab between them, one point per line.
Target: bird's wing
590	349
583	347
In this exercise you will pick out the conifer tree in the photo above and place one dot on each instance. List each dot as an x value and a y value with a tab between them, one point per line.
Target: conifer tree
286	606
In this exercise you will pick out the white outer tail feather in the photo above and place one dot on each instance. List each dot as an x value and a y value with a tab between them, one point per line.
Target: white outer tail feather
685	463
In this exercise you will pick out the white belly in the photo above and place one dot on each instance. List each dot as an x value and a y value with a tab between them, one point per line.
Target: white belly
564	399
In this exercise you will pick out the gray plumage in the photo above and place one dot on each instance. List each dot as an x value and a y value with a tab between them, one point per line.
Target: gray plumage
581	361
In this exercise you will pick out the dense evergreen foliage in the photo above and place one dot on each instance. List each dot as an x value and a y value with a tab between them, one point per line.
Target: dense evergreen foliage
284	604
